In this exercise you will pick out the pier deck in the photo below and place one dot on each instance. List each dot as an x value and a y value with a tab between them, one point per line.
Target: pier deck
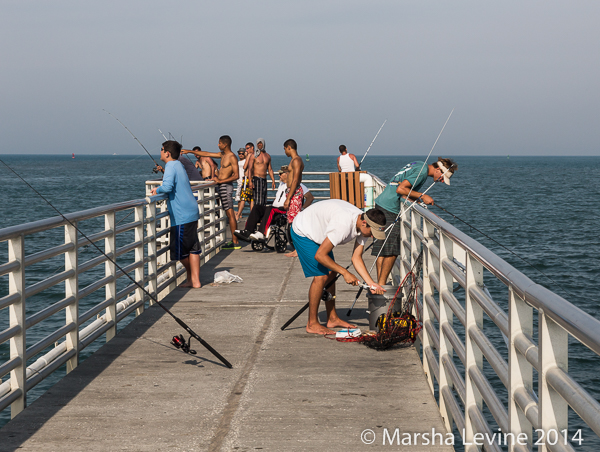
288	390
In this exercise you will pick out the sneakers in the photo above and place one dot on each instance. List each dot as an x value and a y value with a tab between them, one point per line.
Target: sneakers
231	246
257	236
242	234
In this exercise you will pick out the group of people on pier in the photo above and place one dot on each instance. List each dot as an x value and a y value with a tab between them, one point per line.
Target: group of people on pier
315	228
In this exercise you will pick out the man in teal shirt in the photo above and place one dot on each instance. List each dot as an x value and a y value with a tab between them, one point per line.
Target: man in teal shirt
183	211
403	190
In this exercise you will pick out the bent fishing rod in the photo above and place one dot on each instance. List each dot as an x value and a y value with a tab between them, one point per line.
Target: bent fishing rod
305	307
134	137
369	148
509	250
112	261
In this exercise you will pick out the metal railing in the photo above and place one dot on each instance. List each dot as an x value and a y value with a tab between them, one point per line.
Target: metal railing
451	257
139	247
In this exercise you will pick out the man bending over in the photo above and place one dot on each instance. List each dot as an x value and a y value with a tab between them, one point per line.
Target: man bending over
315	232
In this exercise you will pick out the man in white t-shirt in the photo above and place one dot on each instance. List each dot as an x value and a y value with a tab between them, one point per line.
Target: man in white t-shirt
264	214
315	232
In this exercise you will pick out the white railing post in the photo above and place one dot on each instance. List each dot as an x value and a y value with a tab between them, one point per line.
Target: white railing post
520	372
16	284
554	352
415	248
213	220
152	250
446	317
474	357
72	290
201	222
404	236
110	247
139	258
428	268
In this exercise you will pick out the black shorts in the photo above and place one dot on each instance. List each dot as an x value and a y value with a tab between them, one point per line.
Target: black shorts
392	245
259	192
183	241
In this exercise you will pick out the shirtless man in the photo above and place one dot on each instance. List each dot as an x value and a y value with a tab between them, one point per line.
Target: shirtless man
228	172
258	168
295	196
206	165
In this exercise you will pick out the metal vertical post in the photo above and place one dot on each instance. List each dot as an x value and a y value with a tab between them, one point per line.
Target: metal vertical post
474	357
72	290
404	236
152	250
520	372
212	218
110	247
428	269
446	317
554	352
415	247
201	225
139	257
16	284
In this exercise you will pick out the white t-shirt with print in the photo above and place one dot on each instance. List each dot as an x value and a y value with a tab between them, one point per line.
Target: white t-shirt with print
333	219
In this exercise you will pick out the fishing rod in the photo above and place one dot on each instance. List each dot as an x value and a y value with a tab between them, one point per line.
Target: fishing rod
507	249
177	319
305	307
369	148
135	138
403	210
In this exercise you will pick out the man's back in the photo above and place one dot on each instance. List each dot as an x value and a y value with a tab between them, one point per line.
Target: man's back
182	205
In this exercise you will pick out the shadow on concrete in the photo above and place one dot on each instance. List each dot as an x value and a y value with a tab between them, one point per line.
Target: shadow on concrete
14	434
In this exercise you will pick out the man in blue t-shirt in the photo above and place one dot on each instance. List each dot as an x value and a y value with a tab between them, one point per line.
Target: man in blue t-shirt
183	211
403	190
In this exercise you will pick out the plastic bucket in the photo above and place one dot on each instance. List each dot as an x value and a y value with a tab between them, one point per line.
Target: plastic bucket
379	304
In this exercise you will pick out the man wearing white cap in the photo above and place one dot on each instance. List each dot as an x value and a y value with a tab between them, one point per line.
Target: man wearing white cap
404	189
315	232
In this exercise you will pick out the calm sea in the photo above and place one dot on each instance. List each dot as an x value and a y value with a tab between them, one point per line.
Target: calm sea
546	209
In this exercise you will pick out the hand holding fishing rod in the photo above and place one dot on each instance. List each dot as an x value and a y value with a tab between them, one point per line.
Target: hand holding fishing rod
111	260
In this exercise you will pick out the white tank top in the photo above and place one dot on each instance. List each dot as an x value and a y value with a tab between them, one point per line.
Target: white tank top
346	163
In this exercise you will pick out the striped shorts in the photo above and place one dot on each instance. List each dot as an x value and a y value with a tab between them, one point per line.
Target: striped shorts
225	192
259	192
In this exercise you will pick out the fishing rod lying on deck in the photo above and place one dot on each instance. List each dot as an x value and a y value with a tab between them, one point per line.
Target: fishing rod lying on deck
325	294
177	319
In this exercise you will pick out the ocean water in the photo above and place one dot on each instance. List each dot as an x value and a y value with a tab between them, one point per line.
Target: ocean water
545	209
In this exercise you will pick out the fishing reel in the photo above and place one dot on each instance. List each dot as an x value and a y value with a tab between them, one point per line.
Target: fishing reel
179	342
155	170
327	296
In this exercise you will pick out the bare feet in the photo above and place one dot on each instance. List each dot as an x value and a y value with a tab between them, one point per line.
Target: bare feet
337	323
190	285
292	254
318	329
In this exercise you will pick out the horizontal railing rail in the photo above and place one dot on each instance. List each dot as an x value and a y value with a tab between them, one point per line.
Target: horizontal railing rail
93	299
454	260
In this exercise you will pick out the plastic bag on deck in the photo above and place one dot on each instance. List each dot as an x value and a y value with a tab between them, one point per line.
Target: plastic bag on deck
224	277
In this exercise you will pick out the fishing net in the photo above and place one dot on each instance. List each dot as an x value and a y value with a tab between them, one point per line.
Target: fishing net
398	325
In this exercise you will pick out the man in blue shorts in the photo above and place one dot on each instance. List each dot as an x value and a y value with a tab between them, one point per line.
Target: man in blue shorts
402	191
315	232
183	211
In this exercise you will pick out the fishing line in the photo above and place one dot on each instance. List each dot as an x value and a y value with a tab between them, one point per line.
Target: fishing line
177	319
369	148
507	249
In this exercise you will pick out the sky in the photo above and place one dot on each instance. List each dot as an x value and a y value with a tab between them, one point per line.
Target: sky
520	78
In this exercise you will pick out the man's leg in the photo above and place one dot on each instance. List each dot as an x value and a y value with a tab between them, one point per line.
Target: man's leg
255	216
333	321
232	225
192	268
384	267
314	299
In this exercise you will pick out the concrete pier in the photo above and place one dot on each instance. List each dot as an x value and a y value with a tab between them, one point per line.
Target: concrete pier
287	391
